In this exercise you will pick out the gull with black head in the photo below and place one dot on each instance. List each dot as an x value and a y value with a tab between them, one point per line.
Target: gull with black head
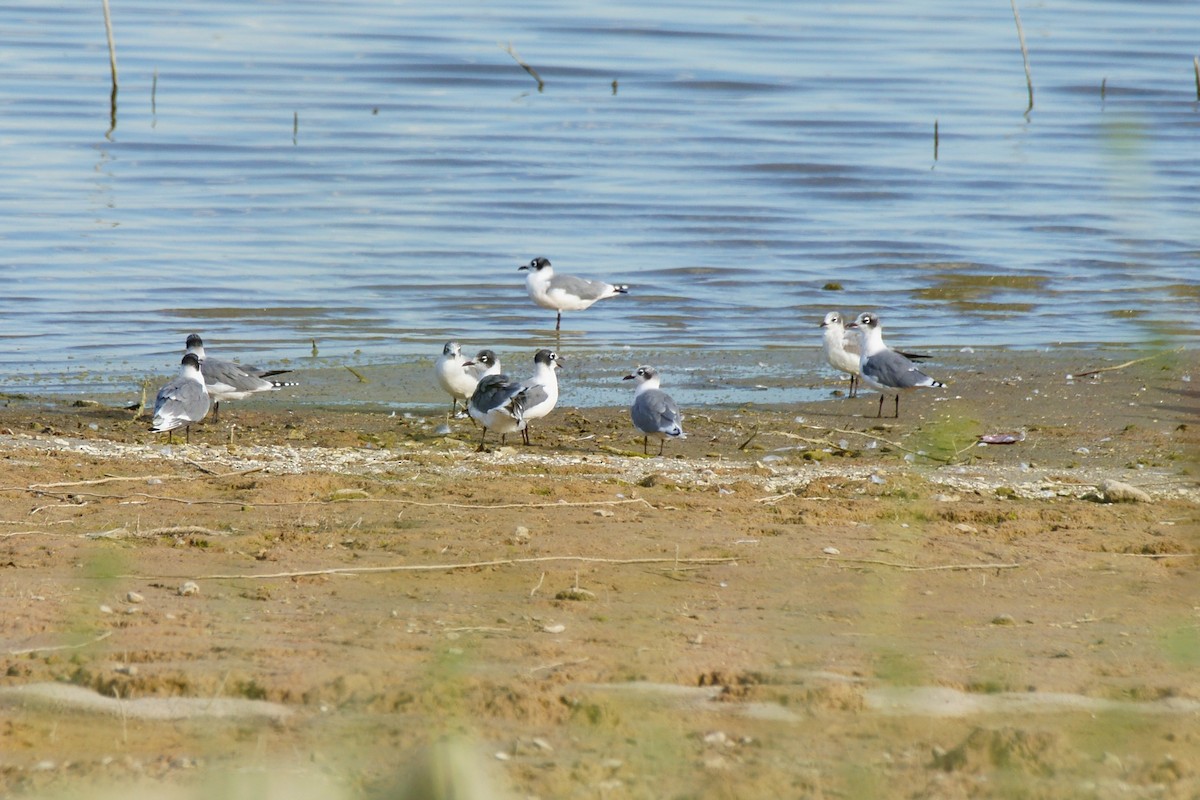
653	412
564	292
227	380
842	350
182	401
541	391
885	369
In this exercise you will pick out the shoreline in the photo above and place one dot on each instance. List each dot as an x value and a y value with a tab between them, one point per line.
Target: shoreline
788	601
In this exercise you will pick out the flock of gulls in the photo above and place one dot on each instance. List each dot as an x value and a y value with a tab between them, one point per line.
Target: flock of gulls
506	405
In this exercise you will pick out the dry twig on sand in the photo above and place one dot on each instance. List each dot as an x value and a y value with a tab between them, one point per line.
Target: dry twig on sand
1126	364
498	562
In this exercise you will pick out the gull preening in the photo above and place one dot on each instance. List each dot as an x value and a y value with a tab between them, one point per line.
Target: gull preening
498	404
227	380
564	292
541	391
455	375
182	401
885	369
653	412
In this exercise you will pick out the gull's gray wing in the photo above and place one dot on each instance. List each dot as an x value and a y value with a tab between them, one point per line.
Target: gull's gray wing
893	370
654	411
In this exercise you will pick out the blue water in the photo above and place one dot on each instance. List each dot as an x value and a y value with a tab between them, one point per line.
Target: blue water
369	175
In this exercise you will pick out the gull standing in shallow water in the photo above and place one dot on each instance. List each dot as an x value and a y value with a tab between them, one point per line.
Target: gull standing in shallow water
884	368
564	292
227	380
653	412
182	401
541	391
455	376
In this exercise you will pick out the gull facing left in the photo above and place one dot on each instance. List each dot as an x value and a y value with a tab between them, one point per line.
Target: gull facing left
884	368
653	412
564	292
182	401
227	380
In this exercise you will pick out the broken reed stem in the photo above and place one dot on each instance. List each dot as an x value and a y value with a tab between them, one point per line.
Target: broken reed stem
1126	364
1024	54
532	72
1196	69
112	61
909	567
935	140
498	562
29	650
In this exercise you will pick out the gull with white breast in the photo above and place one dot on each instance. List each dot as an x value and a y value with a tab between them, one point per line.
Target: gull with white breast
182	401
541	391
842	351
653	412
564	292
885	369
455	376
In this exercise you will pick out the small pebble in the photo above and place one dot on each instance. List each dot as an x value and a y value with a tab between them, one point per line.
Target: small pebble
558	628
603	512
189	588
1004	619
106	609
133	597
831	551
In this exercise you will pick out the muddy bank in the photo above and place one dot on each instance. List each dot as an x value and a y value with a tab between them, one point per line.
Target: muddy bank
791	602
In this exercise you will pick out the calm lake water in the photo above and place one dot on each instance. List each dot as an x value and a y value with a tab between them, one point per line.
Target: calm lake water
369	175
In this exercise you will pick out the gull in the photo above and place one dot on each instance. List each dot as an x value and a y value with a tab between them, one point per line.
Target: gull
484	363
842	349
182	401
541	391
564	292
498	403
885	369
454	376
837	349
227	380
653	412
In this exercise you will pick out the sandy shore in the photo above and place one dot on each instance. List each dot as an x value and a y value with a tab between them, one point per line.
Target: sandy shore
797	601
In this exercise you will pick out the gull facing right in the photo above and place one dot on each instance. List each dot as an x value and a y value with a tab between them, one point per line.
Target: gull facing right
653	412
541	391
884	368
564	292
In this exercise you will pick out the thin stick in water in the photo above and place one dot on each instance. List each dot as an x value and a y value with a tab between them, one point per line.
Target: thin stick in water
1024	54
112	60
1196	69
935	139
532	72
